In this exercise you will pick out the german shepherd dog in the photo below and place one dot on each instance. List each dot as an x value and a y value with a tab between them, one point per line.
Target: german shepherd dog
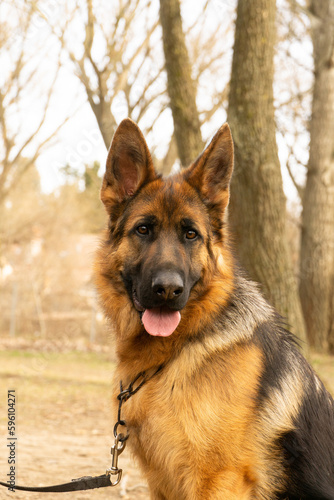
234	411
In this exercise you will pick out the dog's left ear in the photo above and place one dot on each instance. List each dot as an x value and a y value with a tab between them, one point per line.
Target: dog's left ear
129	165
211	173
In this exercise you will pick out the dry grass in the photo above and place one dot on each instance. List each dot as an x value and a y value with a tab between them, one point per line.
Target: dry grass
49	384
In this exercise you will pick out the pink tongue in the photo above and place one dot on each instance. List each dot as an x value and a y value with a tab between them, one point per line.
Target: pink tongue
161	321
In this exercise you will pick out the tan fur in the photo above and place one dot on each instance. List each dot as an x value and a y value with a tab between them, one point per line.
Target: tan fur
217	431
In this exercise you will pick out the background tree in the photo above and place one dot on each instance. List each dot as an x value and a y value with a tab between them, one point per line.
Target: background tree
181	87
117	61
22	76
118	57
258	204
79	194
21	213
317	241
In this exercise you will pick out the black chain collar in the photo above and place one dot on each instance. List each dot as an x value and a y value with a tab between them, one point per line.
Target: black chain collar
126	394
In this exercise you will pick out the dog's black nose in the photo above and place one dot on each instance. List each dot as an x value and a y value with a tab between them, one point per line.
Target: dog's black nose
168	285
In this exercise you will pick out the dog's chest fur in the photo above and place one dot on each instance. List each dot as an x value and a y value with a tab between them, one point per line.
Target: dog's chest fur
180	437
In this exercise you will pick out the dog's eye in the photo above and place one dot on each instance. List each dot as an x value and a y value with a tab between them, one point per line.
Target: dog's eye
142	230
191	234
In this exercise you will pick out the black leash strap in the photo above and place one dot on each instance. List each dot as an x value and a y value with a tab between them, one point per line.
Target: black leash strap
82	483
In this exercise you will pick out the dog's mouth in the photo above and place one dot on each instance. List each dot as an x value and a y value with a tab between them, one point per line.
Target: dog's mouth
158	321
136	302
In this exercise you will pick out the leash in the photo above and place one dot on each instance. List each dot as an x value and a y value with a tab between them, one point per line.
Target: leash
105	480
82	483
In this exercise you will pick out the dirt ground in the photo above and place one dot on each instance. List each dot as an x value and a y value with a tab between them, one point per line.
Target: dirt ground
63	424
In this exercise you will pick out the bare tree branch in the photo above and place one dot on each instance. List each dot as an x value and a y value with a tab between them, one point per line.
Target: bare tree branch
299	187
21	77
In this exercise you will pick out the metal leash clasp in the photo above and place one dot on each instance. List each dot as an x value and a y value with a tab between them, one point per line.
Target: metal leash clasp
116	450
120	438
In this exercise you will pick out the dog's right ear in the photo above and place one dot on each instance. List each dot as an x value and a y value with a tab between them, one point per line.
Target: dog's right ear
129	165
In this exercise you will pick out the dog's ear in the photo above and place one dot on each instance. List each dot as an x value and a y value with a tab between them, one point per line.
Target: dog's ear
211	173
129	165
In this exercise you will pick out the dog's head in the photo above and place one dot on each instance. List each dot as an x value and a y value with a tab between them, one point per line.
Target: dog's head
163	233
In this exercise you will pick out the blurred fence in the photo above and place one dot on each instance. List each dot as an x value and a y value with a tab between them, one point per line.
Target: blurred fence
53	303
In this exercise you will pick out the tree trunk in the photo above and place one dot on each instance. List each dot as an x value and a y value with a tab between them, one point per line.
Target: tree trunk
105	120
317	241
258	204
180	86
